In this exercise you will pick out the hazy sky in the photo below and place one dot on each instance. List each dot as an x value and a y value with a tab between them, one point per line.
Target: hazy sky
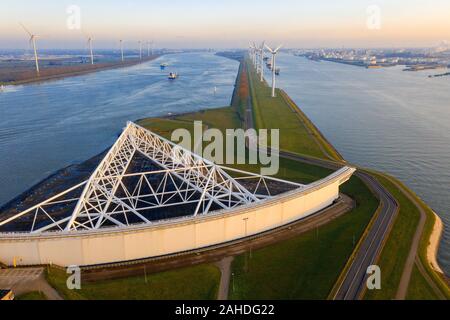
228	23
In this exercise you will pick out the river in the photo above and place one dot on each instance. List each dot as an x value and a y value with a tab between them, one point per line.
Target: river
386	119
47	126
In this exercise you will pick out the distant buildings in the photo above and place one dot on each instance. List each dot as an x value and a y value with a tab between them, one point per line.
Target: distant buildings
439	56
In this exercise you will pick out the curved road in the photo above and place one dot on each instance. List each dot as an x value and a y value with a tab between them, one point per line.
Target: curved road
353	285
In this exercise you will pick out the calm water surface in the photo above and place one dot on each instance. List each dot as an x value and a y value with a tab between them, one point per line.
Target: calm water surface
394	121
44	127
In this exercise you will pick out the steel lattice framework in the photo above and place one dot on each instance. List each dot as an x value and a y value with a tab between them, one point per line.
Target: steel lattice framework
115	197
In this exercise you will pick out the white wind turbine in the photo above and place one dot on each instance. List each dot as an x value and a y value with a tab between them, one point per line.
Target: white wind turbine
91	52
121	49
274	53
257	50
262	60
149	48
140	49
33	42
253	53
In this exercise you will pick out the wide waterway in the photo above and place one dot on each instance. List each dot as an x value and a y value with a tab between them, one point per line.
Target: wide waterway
387	119
47	126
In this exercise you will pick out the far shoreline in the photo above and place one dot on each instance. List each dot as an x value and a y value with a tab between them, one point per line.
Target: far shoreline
76	70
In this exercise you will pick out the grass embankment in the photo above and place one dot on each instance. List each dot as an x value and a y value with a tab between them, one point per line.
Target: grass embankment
419	289
276	113
199	282
35	295
395	252
314	132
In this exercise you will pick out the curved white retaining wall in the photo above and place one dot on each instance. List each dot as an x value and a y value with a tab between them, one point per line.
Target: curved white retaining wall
114	245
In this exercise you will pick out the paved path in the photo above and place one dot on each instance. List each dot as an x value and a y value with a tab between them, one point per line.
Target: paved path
413	256
225	269
23	280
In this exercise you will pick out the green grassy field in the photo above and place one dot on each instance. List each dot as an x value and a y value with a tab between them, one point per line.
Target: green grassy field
199	282
35	295
307	266
275	113
418	288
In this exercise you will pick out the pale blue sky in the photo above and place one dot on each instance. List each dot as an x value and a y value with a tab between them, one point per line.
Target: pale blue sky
226	23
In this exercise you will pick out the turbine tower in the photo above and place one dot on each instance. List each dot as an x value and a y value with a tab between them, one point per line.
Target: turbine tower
140	49
262	60
253	53
33	42
256	57
121	49
274	53
90	49
151	48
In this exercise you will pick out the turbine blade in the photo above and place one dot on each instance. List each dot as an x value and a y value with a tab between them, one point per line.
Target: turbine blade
278	48
26	30
269	48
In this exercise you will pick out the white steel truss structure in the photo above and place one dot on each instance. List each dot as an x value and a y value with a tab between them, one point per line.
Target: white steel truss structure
116	195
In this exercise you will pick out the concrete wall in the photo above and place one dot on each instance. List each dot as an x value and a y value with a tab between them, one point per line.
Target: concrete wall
114	245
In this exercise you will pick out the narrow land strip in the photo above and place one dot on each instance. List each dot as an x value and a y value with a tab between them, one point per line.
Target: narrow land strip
28	76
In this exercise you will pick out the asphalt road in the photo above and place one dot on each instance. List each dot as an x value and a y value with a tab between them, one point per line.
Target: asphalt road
354	283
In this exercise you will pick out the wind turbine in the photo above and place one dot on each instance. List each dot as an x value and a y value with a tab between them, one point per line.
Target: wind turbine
149	48
274	53
262	60
33	41
253	53
140	49
89	40
121	48
256	57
